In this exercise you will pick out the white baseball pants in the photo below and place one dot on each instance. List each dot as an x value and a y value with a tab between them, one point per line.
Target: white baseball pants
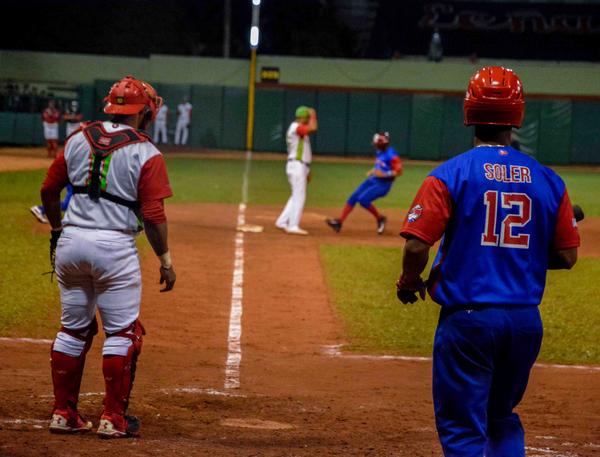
297	173
50	131
98	269
160	130
181	132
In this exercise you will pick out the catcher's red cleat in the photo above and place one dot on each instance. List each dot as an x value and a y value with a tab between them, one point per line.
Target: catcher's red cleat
118	426
68	422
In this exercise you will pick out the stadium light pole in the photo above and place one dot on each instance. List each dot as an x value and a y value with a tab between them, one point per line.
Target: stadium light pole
254	38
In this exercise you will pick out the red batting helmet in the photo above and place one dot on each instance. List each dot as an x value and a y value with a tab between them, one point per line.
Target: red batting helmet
131	96
494	97
381	140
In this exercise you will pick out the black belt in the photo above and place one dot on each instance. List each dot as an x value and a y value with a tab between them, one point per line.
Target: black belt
297	160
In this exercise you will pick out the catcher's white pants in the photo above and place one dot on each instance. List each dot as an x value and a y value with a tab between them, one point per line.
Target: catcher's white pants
98	268
297	174
181	132
160	130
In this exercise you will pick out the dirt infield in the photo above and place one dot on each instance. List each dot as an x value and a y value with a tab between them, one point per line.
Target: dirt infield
296	398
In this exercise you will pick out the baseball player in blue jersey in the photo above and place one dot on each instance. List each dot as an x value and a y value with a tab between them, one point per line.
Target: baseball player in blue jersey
378	184
504	220
40	213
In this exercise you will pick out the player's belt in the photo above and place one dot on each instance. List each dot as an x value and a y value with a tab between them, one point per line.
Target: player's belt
296	160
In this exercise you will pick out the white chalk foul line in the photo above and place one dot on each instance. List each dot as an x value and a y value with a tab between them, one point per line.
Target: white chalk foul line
25	340
234	339
335	350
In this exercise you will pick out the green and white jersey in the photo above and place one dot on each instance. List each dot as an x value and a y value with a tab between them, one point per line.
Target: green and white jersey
298	146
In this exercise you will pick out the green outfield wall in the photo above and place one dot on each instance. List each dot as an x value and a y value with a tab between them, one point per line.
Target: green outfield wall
418	102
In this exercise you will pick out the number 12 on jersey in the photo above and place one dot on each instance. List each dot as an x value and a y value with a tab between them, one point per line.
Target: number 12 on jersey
506	238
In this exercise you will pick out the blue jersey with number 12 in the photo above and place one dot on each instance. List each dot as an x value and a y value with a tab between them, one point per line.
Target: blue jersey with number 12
501	225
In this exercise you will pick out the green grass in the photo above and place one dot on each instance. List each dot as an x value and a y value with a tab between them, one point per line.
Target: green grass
361	280
220	181
584	189
28	301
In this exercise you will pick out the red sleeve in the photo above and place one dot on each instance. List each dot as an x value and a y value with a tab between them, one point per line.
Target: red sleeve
397	165
302	129
566	235
153	187
56	179
430	212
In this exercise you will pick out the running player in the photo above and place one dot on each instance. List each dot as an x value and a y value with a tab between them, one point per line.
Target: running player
387	167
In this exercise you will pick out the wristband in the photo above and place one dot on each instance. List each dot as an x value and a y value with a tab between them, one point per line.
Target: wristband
165	260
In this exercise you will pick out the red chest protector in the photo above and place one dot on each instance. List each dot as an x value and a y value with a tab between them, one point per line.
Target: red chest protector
103	144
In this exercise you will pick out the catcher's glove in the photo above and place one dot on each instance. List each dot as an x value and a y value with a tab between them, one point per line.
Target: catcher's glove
407	291
578	213
54	236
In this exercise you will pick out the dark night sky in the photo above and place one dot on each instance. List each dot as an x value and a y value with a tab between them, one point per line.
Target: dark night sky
298	27
183	27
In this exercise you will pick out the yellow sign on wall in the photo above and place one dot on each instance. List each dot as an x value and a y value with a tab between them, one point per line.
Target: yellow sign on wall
269	74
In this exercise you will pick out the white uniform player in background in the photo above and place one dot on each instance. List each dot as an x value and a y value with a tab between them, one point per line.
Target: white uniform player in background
119	180
298	169
160	126
184	117
72	117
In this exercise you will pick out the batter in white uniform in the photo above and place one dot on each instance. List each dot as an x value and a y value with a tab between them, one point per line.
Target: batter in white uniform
298	169
160	125
184	117
119	182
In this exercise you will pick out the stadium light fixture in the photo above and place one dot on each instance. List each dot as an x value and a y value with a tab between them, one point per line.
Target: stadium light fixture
254	36
254	29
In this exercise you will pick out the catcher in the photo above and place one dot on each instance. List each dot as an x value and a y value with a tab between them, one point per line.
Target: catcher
119	178
388	166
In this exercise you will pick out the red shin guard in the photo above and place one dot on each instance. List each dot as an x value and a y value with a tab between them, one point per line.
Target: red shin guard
67	370
119	371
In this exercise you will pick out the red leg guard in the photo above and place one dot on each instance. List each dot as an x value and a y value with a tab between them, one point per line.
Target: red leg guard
119	371
67	371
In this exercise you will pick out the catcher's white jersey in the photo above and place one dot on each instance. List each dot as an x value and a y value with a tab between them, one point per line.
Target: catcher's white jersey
298	146
121	170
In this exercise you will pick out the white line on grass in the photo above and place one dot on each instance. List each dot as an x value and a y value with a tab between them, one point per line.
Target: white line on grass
234	351
335	350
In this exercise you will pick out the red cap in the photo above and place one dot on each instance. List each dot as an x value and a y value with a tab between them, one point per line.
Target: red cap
130	96
494	97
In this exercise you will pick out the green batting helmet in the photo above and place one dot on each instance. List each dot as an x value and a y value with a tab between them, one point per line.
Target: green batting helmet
302	111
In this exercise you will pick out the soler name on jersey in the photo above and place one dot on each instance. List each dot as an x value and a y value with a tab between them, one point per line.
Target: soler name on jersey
507	173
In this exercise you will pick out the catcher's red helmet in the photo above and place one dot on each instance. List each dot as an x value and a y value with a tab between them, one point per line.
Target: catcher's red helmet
381	140
494	97
131	96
